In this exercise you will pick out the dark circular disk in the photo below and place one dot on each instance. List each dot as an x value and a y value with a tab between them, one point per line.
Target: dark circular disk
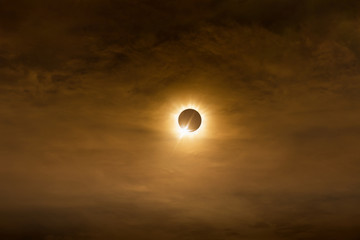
190	119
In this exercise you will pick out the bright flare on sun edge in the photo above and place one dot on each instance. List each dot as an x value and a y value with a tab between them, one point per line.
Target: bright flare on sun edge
183	132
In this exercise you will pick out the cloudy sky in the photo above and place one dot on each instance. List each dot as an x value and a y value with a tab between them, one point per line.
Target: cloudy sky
88	142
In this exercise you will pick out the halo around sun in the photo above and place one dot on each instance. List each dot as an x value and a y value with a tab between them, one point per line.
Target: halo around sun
189	121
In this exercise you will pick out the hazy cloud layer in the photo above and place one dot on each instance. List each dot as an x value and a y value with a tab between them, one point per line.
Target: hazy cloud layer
87	89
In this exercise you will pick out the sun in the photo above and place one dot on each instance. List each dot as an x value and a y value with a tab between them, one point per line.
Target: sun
197	124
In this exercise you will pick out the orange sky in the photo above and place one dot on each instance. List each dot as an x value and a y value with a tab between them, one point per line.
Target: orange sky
90	91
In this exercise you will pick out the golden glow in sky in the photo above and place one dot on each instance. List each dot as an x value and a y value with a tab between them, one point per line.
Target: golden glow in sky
184	132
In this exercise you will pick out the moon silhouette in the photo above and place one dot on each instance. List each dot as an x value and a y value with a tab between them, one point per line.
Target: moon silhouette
189	119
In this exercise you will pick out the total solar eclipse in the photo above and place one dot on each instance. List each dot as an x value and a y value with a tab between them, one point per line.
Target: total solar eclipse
189	120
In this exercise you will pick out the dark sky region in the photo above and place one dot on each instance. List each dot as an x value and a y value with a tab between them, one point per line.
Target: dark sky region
88	93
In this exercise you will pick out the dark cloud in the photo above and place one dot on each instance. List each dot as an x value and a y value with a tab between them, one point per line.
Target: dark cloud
87	89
